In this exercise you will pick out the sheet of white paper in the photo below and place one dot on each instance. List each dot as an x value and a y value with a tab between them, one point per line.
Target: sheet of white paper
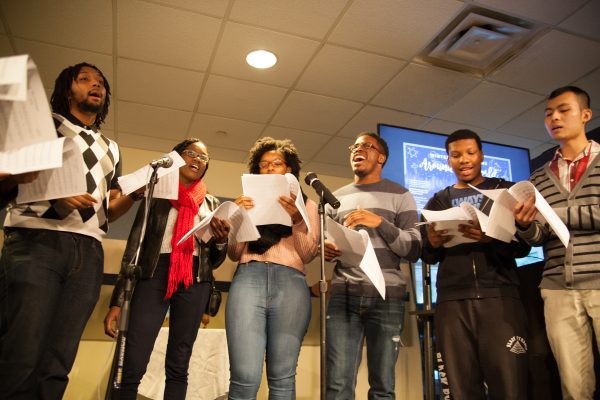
265	190
28	121
242	228
13	78
507	198
557	225
34	157
295	189
449	220
370	265
68	180
168	179
357	250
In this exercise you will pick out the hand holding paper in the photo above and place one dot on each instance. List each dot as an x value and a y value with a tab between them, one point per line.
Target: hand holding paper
263	195
505	201
241	227
168	179
356	249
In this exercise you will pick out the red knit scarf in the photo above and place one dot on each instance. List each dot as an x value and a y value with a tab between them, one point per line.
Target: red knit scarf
187	203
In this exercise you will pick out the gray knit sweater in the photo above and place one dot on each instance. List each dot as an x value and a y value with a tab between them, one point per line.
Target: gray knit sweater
578	265
394	240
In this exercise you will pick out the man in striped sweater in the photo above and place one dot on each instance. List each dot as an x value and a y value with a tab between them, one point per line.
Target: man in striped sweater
387	211
570	283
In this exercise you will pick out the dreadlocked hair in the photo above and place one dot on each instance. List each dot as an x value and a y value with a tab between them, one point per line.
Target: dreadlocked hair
62	90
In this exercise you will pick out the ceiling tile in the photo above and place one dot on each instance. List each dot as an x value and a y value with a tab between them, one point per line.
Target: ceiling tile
309	18
238	99
489	106
548	11
147	143
530	124
211	7
347	73
307	143
80	24
152	121
320	168
139	82
335	152
591	84
368	118
446	128
5	47
151	32
398	28
497	137
51	60
315	113
225	132
554	60
425	90
585	21
293	53
219	153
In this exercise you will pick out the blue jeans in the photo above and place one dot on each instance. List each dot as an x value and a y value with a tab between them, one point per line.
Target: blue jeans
268	309
350	320
49	284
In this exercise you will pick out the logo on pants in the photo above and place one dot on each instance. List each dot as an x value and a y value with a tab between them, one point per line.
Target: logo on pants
517	345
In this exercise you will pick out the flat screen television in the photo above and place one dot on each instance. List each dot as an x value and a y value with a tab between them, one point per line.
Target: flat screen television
418	161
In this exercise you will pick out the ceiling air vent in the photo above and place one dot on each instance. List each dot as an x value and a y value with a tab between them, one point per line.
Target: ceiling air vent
479	43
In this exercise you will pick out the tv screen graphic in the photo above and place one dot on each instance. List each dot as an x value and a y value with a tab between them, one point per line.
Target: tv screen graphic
418	161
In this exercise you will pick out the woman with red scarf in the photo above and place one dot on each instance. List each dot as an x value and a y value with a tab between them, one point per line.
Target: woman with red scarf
173	277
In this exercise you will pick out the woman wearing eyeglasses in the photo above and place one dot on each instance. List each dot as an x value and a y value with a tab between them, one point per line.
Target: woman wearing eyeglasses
268	307
172	277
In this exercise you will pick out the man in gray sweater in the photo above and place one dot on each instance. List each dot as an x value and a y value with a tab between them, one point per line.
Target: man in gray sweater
570	284
356	312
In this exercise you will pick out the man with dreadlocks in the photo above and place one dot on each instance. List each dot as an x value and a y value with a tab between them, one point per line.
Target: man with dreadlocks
52	261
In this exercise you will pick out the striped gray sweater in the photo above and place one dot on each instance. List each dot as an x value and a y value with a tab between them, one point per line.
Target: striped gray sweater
578	265
394	240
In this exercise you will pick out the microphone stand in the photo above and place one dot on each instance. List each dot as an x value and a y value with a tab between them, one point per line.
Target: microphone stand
323	300
131	275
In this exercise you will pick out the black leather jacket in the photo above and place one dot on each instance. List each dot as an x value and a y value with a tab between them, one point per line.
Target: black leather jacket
210	256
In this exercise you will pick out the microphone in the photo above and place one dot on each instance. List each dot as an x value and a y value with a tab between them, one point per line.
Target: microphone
312	180
164	162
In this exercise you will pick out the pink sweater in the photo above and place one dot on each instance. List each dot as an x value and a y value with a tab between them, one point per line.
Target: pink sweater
293	251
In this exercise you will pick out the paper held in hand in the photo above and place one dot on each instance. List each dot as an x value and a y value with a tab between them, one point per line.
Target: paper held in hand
506	199
265	190
357	250
451	218
242	228
167	186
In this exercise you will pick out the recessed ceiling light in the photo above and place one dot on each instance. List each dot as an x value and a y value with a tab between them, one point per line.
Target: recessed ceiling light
261	59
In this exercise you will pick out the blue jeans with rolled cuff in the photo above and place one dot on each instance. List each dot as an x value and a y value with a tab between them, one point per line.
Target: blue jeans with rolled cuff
267	315
350	321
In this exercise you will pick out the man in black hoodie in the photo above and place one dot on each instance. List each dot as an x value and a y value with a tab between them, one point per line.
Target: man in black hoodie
480	323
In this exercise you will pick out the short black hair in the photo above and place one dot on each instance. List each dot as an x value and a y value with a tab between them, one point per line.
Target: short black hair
284	146
382	143
582	95
462	134
62	90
